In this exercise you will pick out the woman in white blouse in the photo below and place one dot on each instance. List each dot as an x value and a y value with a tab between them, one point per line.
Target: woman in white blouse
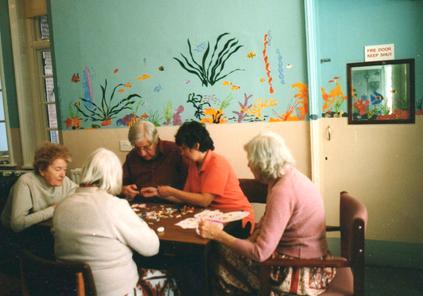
96	227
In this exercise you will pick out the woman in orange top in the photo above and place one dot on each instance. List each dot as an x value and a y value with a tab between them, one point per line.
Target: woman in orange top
211	181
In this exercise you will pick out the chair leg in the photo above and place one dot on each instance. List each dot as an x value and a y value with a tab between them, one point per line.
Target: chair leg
80	286
264	279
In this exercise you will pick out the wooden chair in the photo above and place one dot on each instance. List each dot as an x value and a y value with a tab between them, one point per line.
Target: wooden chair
255	191
40	276
349	279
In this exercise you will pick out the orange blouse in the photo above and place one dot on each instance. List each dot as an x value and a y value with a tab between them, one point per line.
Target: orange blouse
217	177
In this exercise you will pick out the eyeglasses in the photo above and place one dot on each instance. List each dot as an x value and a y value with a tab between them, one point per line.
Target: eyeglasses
144	148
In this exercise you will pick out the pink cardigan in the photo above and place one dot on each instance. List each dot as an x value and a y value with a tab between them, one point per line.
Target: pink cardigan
293	223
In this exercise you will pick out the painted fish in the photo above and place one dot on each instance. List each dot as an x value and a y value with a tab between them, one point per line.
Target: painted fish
75	77
251	55
144	77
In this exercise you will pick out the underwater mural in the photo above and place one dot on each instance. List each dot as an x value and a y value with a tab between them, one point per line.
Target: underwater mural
102	112
214	92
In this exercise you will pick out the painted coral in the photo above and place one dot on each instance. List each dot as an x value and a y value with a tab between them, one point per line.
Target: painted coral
259	105
298	108
243	108
213	115
334	99
73	122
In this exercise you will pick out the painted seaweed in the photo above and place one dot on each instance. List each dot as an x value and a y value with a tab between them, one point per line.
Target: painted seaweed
198	103
210	69
107	109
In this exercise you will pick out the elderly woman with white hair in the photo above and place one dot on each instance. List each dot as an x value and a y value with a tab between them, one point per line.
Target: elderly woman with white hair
95	227
151	162
293	226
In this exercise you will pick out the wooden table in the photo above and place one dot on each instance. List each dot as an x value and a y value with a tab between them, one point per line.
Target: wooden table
180	249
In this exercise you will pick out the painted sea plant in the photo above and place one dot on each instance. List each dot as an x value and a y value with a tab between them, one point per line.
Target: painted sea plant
108	108
211	65
334	100
216	115
198	103
243	108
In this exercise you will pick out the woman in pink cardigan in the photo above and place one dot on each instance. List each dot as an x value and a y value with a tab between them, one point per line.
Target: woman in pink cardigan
293	226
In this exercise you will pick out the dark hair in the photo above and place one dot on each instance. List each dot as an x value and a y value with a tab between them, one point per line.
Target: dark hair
47	154
193	132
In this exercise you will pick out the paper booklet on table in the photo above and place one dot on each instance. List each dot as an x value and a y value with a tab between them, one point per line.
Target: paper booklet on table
212	215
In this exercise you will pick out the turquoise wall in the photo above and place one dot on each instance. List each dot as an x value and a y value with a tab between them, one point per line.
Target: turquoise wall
346	27
133	43
9	73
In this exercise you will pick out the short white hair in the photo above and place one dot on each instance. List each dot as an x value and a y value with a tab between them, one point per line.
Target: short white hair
143	130
104	170
268	156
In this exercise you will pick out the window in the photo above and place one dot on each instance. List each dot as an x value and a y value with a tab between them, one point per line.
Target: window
4	145
34	81
45	63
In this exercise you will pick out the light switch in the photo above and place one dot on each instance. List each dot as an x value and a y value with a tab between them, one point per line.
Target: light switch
124	145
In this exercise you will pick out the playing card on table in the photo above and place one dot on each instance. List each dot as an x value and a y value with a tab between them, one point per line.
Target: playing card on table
189	223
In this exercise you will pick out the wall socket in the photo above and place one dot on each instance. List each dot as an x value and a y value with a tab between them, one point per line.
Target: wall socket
125	145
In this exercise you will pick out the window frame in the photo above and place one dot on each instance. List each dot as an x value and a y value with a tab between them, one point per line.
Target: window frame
27	47
3	89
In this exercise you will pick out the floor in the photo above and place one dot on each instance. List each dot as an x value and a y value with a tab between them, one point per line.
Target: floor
380	281
389	281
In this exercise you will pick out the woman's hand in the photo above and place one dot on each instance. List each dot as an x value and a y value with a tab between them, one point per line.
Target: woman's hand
130	191
149	192
210	230
165	191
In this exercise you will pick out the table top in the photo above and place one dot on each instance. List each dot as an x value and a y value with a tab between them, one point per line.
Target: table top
166	216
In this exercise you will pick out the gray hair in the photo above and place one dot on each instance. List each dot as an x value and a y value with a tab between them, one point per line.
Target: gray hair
268	156
143	130
104	170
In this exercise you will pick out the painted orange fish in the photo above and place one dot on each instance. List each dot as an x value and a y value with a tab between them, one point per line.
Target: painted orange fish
75	77
144	77
251	55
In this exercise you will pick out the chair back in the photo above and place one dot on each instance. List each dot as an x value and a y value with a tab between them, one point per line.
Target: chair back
40	276
254	190
353	221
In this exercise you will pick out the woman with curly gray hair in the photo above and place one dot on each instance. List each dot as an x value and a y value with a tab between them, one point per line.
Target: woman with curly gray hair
293	226
34	196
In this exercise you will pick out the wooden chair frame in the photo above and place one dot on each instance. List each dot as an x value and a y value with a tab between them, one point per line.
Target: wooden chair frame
41	273
352	249
351	227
